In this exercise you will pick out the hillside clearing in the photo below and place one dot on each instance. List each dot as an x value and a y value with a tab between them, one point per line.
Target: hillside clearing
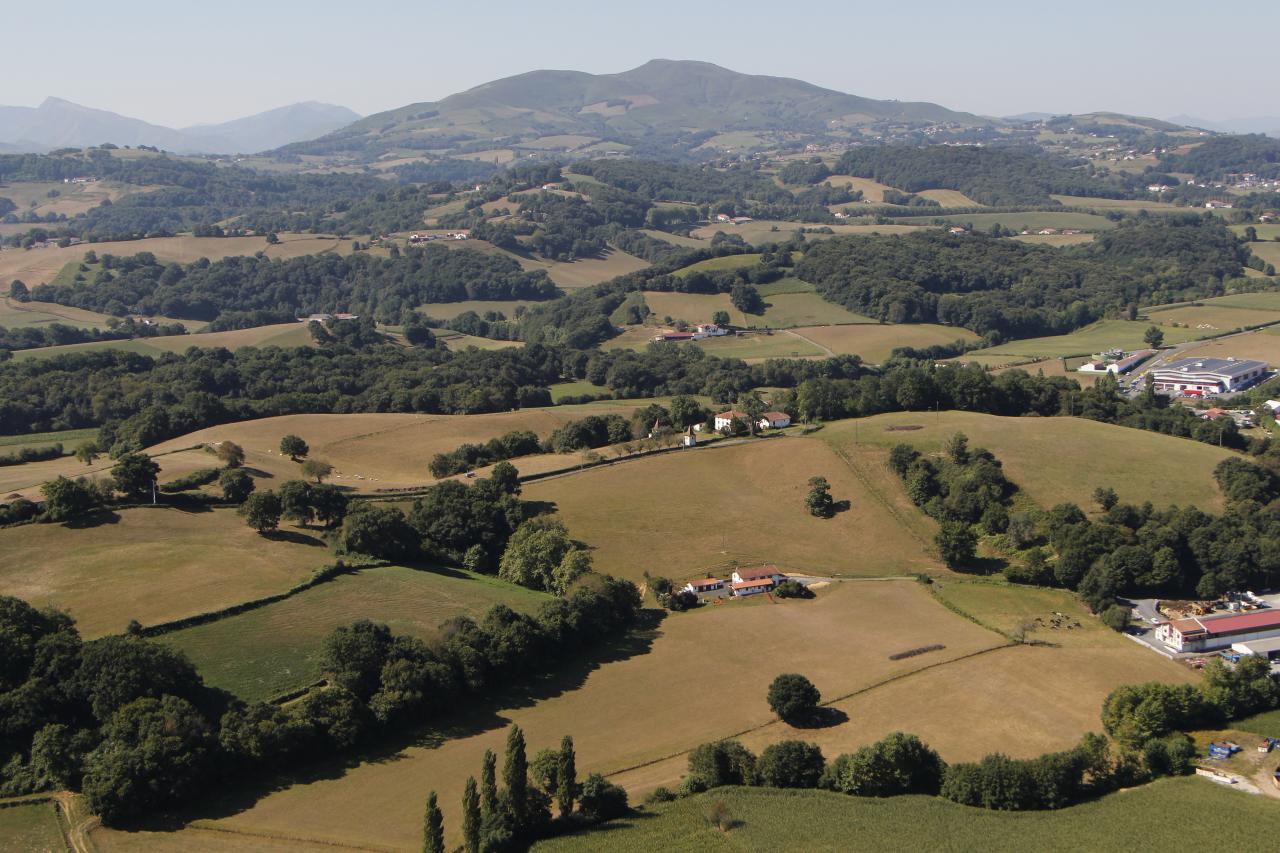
681	513
1054	459
152	565
1095	338
274	649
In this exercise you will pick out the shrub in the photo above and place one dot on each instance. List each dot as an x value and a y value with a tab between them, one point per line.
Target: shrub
724	762
790	764
791	588
601	800
194	480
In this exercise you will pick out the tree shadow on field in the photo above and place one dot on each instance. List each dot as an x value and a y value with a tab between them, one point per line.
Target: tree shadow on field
823	717
258	472
983	566
88	522
486	714
536	508
294	537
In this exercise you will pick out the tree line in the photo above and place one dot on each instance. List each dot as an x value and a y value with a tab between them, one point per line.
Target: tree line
280	290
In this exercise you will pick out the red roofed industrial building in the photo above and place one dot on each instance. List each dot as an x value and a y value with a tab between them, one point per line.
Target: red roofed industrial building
1200	634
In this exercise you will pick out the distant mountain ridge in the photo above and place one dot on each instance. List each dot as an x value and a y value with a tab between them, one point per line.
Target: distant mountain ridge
59	123
662	98
1270	125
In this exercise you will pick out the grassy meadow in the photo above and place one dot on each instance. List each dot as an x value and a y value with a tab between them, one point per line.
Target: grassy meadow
17	315
728	262
760	345
1170	812
274	649
455	341
790	302
34	828
152	565
1262	344
682	513
874	342
70	439
1053	459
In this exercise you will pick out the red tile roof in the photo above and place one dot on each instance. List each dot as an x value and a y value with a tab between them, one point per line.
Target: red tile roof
776	416
752	584
1233	624
706	582
756	572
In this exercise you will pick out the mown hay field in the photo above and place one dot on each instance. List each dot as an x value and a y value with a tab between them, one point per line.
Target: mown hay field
760	345
789	304
727	262
1269	252
871	190
874	342
1055	239
449	310
1053	459
1265	230
693	684
1126	204
1262	344
456	341
34	828
949	198
285	335
274	649
1167	813
1213	316
585	271
152	565
682	513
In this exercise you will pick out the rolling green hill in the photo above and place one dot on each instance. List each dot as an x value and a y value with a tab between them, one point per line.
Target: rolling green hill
662	101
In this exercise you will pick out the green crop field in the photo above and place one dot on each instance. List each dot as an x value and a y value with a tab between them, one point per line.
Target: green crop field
278	335
679	513
1125	204
152	565
1184	812
274	649
675	239
1266	230
874	341
70	439
1053	459
34	828
1095	338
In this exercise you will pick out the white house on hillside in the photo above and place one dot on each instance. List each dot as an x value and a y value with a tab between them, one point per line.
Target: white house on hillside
756	573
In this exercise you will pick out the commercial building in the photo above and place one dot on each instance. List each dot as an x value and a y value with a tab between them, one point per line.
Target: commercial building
1210	633
1206	376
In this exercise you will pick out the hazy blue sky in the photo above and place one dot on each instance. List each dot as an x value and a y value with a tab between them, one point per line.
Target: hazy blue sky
178	63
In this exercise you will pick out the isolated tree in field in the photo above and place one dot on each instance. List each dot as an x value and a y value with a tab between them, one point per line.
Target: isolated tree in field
231	454
294	447
567	783
18	291
316	469
819	500
88	452
261	510
793	697
236	484
134	474
273	239
720	318
433	827
1105	498
956	543
471	817
746	299
1153	337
